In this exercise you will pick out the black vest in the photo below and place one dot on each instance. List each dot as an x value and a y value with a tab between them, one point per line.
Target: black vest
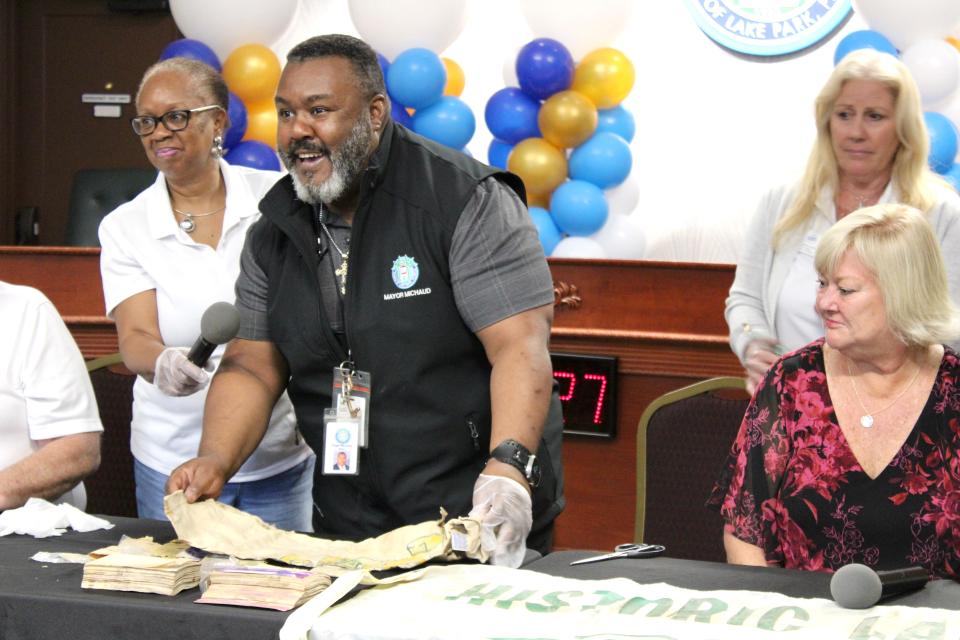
430	408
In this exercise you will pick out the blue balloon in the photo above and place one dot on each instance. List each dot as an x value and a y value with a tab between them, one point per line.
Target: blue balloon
579	208
511	115
448	121
498	152
953	176
548	231
544	67
416	78
943	141
617	120
865	39
603	160
400	114
187	48
237	112
253	153
384	64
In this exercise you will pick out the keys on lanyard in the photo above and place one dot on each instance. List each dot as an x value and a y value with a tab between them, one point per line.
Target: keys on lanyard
627	550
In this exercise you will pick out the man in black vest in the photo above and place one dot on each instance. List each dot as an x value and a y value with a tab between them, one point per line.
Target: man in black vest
397	291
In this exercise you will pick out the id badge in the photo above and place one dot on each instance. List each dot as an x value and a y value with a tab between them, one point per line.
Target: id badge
351	397
341	444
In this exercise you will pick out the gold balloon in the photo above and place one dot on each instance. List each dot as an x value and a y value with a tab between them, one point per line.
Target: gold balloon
455	78
540	165
605	76
252	72
541	200
262	123
567	118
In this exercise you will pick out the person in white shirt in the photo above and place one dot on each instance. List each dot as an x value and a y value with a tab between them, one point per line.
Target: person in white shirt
49	424
871	148
169	254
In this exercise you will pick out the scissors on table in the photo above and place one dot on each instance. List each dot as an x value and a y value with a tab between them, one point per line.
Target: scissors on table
627	550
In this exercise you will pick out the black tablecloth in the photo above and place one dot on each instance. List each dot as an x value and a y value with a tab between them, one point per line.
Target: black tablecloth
41	600
692	574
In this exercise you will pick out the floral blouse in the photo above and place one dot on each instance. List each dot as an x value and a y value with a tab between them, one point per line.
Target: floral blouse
793	487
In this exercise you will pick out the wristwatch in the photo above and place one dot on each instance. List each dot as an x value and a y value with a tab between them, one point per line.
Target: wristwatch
518	456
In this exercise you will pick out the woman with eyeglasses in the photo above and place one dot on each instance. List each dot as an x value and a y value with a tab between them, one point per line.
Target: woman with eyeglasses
169	254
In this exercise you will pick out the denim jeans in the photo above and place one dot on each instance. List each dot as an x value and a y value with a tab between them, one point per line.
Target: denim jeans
284	500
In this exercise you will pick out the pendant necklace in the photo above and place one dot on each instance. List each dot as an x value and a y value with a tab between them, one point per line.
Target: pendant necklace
341	271
866	420
187	224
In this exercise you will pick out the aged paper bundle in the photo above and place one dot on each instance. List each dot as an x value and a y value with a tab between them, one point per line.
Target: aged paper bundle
148	574
219	528
261	585
140	564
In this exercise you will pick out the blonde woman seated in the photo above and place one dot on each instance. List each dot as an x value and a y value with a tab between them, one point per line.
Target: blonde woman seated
850	448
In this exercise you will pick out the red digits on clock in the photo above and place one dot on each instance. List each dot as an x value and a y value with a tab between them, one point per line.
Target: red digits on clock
600	395
568	395
572	377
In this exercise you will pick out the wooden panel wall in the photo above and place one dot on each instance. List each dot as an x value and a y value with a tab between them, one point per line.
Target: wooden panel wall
664	321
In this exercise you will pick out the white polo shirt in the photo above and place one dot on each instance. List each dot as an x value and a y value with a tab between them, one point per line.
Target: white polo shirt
144	249
45	390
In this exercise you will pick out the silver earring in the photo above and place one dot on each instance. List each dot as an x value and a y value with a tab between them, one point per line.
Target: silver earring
217	150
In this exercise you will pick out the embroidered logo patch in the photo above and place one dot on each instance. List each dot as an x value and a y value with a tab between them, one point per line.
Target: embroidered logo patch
405	272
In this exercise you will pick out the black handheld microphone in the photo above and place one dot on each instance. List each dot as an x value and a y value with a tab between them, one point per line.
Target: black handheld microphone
219	324
857	586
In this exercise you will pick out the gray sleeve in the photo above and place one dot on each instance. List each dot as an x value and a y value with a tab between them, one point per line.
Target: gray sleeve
251	290
497	266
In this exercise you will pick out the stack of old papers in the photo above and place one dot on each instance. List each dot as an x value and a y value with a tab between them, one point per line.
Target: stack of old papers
262	585
140	564
149	574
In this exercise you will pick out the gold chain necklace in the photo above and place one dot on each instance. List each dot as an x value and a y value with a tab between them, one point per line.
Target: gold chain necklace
187	224
866	420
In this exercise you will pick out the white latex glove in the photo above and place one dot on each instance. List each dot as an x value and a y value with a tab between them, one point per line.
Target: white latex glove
505	512
174	375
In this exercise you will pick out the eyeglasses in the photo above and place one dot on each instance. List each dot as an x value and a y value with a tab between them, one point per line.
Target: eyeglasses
176	120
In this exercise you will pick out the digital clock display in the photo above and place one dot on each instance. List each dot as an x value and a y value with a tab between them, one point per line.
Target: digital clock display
588	392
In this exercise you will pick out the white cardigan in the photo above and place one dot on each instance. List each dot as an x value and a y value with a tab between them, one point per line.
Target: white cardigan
761	270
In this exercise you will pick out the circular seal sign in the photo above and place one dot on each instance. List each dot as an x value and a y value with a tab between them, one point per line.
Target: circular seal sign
768	27
405	272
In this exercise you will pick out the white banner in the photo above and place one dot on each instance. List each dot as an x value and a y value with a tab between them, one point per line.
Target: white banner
478	601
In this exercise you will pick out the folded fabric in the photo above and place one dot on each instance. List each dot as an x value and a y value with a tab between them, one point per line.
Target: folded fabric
42	519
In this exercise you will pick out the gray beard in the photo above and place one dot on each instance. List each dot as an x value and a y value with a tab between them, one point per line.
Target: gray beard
347	163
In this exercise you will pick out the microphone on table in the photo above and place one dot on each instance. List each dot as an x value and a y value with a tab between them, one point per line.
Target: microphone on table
857	586
219	325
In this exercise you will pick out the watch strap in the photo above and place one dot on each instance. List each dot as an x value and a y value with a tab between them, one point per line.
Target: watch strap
518	456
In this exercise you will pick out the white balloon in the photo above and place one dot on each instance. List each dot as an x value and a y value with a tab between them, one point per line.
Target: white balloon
224	25
935	66
623	198
580	26
904	22
622	238
578	247
393	26
510	68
